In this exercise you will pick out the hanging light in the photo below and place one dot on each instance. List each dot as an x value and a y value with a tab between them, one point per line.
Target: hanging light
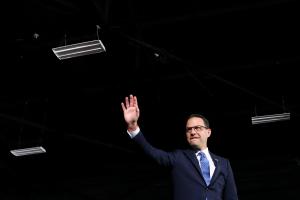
270	118
28	151
79	49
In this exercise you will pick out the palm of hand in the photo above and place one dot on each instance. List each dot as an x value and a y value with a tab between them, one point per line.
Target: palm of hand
131	115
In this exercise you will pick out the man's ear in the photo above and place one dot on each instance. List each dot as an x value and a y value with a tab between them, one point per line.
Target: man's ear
209	132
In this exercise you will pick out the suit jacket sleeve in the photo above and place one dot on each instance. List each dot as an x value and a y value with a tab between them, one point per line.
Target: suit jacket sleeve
162	157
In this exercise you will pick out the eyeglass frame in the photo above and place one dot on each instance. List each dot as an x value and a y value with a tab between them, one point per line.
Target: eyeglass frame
197	128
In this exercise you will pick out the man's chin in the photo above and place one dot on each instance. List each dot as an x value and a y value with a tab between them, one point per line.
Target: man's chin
194	145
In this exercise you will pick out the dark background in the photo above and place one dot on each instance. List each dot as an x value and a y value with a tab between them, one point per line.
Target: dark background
228	60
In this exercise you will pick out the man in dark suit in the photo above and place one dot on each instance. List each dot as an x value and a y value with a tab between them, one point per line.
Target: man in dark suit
197	173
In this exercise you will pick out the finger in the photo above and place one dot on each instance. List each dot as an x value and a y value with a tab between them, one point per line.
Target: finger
126	102
131	102
123	107
135	101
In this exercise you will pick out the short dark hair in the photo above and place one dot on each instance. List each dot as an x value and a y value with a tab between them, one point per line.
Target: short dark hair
206	122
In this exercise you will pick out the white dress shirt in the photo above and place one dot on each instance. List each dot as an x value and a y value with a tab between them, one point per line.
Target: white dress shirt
212	166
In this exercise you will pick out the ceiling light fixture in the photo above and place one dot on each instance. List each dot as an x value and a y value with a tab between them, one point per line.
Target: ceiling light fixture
270	118
79	49
28	151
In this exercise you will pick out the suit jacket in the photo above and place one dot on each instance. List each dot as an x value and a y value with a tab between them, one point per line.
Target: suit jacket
187	179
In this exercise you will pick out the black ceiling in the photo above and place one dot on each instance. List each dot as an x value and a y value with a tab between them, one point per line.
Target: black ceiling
229	60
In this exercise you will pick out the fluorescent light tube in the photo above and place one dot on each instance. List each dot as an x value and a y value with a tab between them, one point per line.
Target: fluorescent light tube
79	49
28	151
270	118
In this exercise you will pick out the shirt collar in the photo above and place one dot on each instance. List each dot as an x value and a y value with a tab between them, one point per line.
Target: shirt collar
205	151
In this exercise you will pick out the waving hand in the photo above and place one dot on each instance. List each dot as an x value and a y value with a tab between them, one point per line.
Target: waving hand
131	112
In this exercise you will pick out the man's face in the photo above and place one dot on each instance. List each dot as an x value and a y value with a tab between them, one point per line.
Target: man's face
197	133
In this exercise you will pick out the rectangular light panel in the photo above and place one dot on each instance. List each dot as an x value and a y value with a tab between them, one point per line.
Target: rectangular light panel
270	118
28	151
79	49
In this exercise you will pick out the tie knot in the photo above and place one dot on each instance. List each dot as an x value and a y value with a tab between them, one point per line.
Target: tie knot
202	155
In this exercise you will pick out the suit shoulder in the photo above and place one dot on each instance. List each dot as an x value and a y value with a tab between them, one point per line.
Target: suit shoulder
217	157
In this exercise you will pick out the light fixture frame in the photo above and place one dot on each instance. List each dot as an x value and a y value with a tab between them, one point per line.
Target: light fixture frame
28	151
270	118
79	49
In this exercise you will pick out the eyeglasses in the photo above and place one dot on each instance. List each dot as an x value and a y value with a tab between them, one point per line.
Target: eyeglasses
197	129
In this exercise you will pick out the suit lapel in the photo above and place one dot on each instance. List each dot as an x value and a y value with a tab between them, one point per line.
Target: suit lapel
192	157
217	169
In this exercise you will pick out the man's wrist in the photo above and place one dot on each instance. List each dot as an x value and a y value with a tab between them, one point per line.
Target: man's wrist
133	133
132	127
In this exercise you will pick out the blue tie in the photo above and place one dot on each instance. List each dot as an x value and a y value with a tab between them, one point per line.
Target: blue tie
204	164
